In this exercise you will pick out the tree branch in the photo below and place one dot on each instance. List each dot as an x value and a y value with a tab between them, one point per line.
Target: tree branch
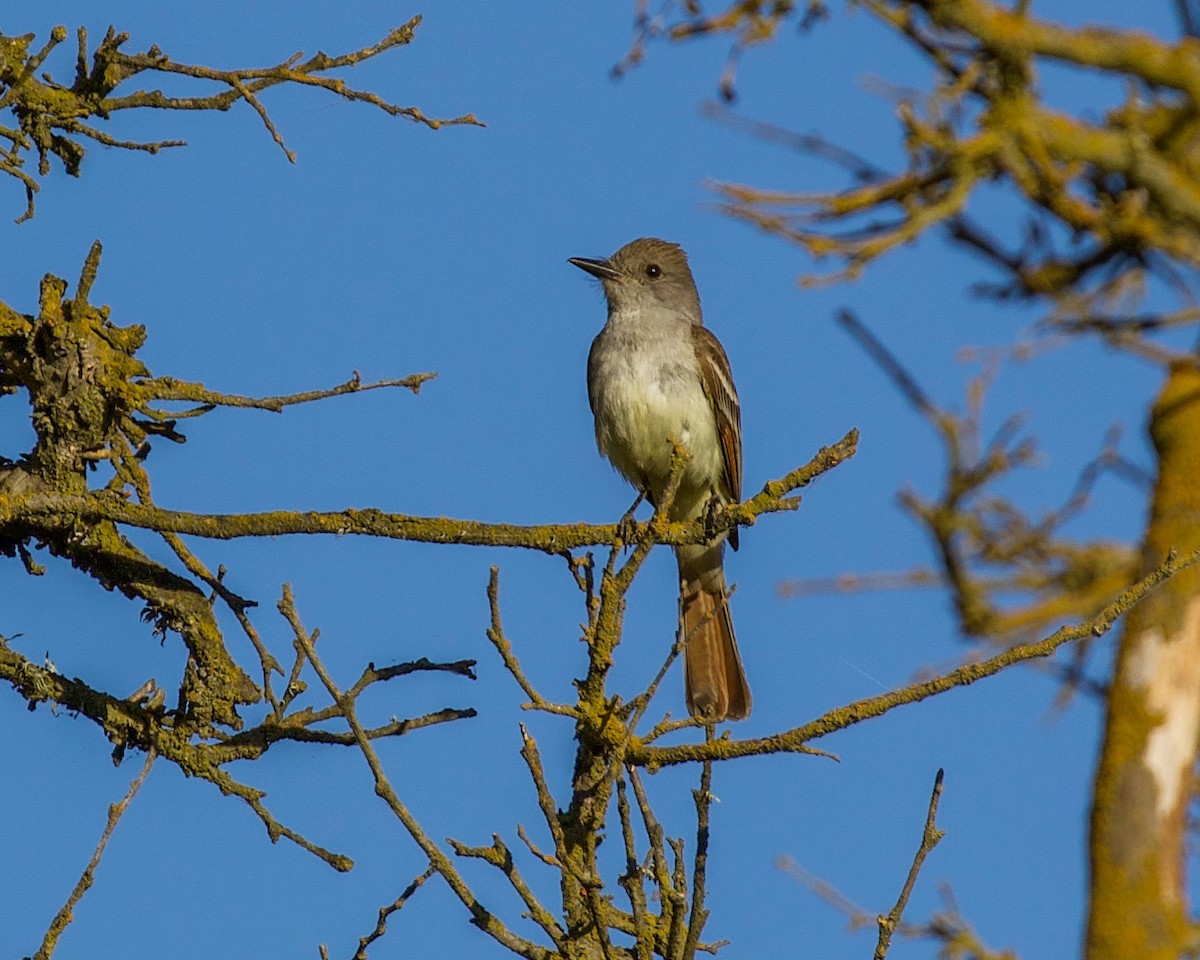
930	837
51	117
67	913
480	916
98	506
796	740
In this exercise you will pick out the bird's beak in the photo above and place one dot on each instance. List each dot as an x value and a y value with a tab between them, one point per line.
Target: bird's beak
601	269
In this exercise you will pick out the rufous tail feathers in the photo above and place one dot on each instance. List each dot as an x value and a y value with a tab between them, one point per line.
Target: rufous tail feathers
714	679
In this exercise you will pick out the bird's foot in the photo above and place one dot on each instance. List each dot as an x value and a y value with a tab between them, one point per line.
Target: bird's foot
627	526
712	509
627	529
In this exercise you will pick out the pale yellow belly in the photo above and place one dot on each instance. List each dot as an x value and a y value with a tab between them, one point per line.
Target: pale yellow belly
636	431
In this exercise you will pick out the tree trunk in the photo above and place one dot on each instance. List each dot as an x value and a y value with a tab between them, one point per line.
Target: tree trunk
1138	903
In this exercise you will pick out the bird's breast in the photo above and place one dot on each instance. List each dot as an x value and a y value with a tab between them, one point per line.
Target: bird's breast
645	396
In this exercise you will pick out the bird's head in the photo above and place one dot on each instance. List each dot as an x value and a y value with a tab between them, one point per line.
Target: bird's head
645	273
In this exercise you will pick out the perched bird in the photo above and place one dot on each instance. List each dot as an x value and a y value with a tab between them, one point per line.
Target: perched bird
656	374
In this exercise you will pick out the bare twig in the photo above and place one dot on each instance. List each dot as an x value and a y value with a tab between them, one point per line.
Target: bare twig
168	388
660	868
503	646
857	916
633	880
858	167
860	582
67	913
500	857
930	837
386	911
904	381
480	916
703	799
546	803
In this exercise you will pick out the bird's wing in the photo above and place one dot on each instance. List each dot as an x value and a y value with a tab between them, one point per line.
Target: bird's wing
717	381
591	373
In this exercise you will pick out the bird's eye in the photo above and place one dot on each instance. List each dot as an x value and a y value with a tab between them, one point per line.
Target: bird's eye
654	271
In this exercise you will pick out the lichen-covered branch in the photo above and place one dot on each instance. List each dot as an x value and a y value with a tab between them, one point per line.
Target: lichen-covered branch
87	391
604	729
86	388
54	119
168	388
797	739
95	506
1110	196
130	723
78	371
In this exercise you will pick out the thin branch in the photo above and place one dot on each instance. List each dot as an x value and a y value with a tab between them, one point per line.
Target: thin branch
903	380
703	798
503	646
67	913
480	916
858	167
633	880
500	857
168	388
545	799
641	703
547	859
290	71
930	837
677	927
860	582
134	724
857	916
658	847
253	799
795	740
385	913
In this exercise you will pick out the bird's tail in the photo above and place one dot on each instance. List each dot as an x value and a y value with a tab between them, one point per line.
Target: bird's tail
713	676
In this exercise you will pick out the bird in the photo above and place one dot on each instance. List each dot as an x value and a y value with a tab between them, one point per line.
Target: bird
655	375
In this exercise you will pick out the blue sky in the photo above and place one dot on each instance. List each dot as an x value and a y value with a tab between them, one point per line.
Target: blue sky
391	249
